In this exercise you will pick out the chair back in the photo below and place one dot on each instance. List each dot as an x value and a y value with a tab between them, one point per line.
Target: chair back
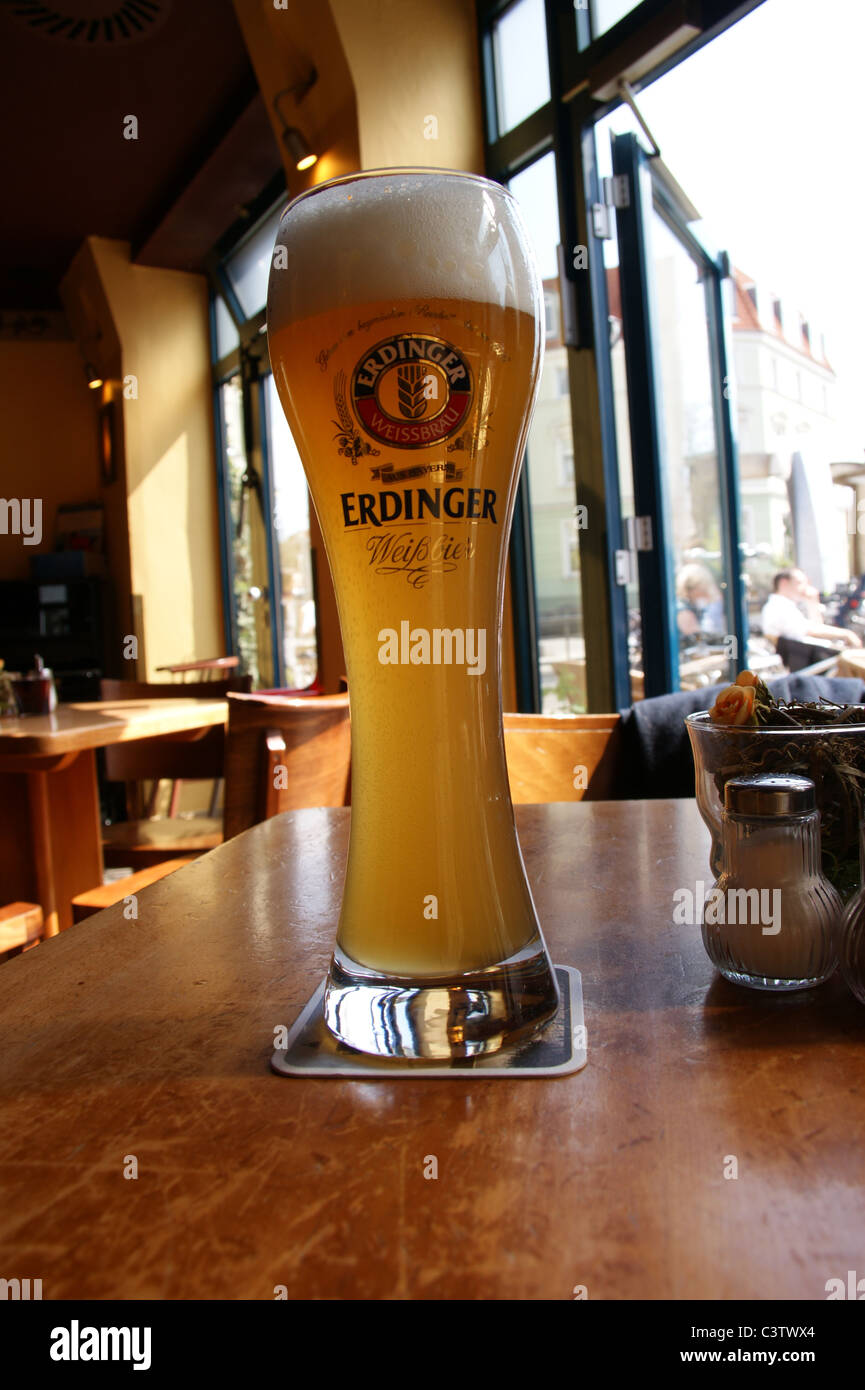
154	758
214	666
798	655
283	754
563	759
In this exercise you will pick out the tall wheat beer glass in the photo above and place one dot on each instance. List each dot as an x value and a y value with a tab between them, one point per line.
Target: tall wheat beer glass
404	323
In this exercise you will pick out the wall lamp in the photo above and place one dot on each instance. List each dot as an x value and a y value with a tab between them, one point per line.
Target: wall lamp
294	140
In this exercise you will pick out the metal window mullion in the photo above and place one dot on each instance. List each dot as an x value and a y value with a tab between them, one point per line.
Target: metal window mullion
517	148
640	31
227	367
719	335
609	503
223	286
603	606
639	317
524	611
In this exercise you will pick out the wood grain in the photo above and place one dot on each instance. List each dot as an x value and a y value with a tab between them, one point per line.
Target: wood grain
98	724
552	758
87	904
152	1038
310	737
21	925
50	833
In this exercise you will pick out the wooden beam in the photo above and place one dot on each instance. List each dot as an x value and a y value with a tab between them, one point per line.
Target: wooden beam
242	161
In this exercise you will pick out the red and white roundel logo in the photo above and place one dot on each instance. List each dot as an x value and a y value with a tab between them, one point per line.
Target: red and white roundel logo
411	391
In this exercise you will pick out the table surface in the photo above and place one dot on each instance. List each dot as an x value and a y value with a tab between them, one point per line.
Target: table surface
152	1039
74	727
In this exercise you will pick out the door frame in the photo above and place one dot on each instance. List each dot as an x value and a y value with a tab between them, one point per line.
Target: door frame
651	190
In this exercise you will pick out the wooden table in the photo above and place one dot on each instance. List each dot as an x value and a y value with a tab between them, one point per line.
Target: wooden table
50	839
152	1038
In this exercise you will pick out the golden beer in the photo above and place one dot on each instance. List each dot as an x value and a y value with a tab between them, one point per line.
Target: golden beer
404	329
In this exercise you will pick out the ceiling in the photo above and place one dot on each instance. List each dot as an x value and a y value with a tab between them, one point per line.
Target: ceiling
71	71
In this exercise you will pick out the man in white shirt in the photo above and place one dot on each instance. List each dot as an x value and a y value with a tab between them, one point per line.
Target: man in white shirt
782	615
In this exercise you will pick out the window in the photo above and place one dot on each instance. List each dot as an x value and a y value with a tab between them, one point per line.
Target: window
551	314
227	336
606	13
570	548
536	104
291	535
249	267
566	463
521	66
265	504
748	525
549	452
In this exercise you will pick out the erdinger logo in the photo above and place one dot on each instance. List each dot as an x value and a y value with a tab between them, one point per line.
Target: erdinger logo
412	391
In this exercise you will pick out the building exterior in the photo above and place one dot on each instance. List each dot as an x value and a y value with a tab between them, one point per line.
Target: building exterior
792	512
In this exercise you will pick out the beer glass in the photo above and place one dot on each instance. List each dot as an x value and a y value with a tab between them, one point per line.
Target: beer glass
404	320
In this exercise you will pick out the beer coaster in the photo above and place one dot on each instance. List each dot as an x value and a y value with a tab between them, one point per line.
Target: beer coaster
556	1050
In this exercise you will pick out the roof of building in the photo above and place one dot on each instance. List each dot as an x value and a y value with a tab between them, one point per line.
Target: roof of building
747	319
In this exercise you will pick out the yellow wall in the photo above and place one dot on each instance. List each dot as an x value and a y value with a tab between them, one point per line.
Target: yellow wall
161	317
49	438
411	60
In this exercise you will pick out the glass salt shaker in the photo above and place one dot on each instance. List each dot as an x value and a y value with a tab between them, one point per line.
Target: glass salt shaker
852	948
772	919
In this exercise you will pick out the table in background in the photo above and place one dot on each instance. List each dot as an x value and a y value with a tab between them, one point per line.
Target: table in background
152	1038
851	662
50	834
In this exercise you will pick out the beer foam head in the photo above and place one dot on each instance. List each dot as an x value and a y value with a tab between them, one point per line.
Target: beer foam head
401	234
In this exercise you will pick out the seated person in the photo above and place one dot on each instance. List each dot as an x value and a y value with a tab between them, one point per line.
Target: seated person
783	615
700	606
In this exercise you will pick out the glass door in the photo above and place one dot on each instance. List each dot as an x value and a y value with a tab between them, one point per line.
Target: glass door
270	597
248	509
683	535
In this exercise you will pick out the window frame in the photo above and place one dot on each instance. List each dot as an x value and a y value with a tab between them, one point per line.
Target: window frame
251	361
641	47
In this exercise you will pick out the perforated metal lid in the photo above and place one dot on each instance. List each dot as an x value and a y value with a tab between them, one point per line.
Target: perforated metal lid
770	794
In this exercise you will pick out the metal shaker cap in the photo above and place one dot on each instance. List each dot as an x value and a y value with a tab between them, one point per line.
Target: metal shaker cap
770	794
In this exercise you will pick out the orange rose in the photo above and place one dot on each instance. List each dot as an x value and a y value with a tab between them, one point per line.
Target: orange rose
747	678
735	705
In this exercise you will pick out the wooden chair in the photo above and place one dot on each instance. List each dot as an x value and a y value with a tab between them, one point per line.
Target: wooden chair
21	927
283	754
800	655
95	899
218	665
563	759
142	841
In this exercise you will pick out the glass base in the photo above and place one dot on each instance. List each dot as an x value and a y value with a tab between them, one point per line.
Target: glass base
766	982
440	1016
